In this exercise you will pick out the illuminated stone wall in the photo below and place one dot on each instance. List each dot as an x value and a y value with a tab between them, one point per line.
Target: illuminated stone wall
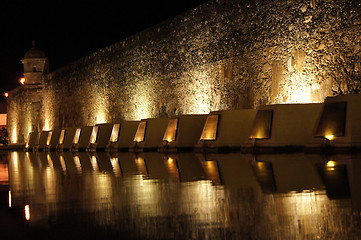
225	54
24	112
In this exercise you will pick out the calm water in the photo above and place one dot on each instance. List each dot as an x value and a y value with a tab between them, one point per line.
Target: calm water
182	196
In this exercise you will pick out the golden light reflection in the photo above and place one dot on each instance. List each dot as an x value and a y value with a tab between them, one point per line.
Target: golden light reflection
62	162
115	133
116	167
142	168
77	163
27	212
50	162
10	203
140	134
331	165
93	136
210	128
211	170
171	131
94	163
172	168
304	205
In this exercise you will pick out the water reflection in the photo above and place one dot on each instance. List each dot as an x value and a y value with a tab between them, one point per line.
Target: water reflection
189	196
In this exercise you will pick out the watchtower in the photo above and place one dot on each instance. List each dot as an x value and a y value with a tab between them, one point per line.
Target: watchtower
35	65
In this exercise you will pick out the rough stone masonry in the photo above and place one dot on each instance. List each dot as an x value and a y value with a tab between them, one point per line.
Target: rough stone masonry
224	54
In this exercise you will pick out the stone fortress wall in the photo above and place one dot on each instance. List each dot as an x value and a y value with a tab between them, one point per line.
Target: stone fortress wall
225	54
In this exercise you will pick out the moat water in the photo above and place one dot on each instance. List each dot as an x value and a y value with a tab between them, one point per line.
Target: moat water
180	196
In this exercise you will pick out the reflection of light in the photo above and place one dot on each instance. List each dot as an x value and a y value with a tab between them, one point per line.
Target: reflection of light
115	133
331	165
94	163
211	170
9	198
141	165
93	137
330	137
27	212
305	204
62	162
77	163
115	164
50	162
172	168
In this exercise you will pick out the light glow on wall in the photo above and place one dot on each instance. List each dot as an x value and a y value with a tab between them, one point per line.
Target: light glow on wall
115	133
210	128
140	134
301	89
93	136
171	131
77	136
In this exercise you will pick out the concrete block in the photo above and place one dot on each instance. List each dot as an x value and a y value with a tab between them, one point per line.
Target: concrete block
66	139
338	125
122	135
53	139
149	134
282	127
82	138
226	130
182	133
103	136
32	141
43	139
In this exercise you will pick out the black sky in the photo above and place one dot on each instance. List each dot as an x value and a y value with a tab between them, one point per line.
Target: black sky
70	29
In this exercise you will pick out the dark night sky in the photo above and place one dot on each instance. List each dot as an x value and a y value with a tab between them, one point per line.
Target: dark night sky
70	29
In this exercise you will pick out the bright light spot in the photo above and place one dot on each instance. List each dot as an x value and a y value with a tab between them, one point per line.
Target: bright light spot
170	160
9	198
22	80
93	137
330	164
27	212
330	137
115	133
6	94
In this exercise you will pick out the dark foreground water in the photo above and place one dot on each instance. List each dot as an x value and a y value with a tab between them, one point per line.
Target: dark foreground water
182	196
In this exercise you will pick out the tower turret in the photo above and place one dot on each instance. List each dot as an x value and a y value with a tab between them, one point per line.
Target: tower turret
35	65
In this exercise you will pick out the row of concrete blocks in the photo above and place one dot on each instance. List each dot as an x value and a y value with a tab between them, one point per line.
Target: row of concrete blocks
329	126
